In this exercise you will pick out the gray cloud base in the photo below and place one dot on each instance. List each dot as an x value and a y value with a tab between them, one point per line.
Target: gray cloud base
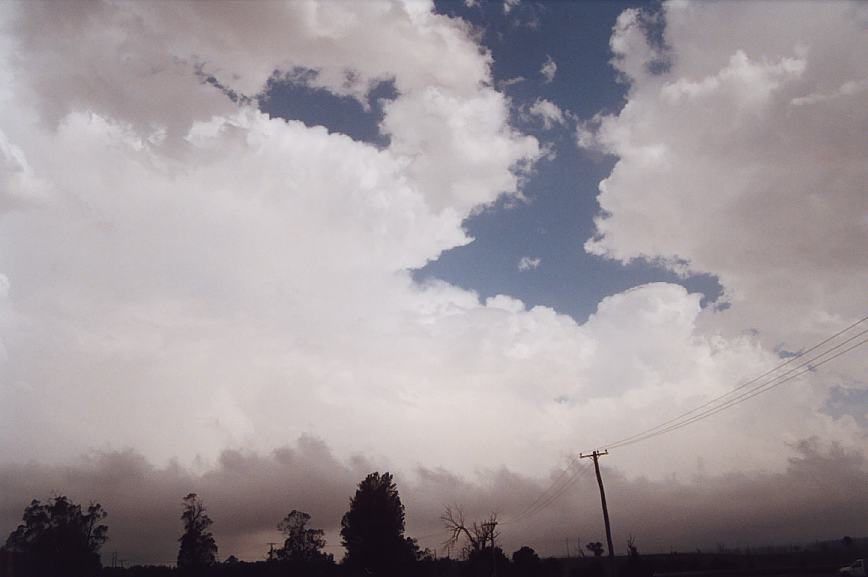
820	495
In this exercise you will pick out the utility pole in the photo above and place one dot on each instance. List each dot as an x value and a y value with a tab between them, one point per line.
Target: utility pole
116	562
271	551
596	455
493	524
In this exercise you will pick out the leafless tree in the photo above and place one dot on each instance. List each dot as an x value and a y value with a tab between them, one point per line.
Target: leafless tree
477	534
632	550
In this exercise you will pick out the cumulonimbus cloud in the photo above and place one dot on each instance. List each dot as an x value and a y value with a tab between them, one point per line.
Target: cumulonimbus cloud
187	274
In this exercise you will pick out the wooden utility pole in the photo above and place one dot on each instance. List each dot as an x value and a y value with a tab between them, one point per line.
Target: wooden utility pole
596	455
493	524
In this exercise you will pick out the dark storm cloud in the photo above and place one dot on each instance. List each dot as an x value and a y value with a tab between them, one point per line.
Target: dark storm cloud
822	494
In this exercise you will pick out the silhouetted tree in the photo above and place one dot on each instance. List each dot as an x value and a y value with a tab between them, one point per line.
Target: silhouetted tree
373	530
632	550
198	548
634	566
595	567
479	562
302	545
479	537
58	539
526	562
477	534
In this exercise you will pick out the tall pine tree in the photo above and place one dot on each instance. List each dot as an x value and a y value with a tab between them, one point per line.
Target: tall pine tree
373	530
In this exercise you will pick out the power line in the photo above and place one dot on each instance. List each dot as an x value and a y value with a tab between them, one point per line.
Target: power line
573	464
765	387
544	498
665	424
706	410
559	486
580	473
542	502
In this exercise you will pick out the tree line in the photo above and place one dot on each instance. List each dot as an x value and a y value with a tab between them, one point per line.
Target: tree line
59	538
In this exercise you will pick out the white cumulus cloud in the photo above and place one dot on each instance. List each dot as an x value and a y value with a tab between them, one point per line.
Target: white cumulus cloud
742	156
548	112
549	69
528	263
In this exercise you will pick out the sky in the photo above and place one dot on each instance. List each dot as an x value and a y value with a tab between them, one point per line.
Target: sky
264	248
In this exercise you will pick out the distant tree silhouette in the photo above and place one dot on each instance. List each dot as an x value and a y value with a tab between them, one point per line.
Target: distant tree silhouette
595	567
198	548
477	534
479	538
58	539
632	550
302	547
526	562
635	566
479	563
372	531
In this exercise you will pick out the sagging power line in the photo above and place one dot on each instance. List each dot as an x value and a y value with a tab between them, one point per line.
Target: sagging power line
751	388
553	493
741	393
